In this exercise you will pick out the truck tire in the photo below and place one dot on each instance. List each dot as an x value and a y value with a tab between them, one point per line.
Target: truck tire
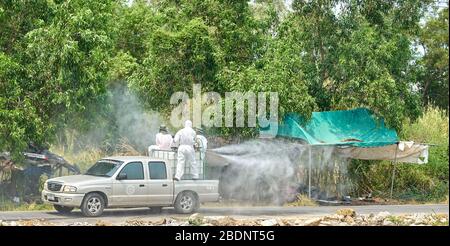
63	209
93	205
186	203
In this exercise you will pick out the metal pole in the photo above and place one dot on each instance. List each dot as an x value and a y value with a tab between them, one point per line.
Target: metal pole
203	161
393	170
309	173
203	164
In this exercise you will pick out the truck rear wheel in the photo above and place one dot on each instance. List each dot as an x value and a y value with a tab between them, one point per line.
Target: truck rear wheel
93	205
63	209
186	203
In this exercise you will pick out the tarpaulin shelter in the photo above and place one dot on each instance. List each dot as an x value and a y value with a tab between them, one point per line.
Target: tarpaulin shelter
357	134
356	127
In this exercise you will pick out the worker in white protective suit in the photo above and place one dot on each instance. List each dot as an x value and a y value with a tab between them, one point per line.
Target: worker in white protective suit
185	139
163	140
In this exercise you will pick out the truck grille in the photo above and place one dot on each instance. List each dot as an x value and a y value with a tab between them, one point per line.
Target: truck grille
52	186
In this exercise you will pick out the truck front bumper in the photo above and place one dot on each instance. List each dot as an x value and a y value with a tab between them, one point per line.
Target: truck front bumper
63	199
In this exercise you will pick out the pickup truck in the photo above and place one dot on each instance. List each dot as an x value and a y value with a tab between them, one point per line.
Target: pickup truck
128	181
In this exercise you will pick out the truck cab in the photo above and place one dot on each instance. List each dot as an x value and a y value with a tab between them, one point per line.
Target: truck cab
128	181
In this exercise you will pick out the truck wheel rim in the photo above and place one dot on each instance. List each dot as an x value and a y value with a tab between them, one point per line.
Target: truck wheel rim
94	205
186	202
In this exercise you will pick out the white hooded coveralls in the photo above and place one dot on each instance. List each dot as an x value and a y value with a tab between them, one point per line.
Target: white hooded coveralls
186	154
163	142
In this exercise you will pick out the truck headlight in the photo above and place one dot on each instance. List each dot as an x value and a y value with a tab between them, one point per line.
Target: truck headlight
69	188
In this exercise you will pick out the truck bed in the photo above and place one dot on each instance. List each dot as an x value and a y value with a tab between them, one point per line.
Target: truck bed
207	190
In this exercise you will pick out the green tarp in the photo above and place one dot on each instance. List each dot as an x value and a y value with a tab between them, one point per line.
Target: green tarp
357	127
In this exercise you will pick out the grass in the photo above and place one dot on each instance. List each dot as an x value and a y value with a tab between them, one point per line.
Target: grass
397	220
83	159
413	182
195	220
84	156
10	206
302	200
438	220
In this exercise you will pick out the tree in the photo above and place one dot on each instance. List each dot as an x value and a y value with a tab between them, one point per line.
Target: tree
357	54
20	122
175	60
232	26
56	73
134	27
434	77
17	18
60	58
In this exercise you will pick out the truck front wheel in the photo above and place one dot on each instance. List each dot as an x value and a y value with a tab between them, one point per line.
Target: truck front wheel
93	205
186	203
63	209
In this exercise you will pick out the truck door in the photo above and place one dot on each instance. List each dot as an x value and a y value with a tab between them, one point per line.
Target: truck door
160	184
129	187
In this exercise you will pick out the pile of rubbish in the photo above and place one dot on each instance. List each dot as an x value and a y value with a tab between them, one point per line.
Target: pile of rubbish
22	181
348	217
34	222
343	217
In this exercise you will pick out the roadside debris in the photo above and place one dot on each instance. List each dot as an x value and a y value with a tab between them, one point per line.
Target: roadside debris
346	212
271	222
80	224
34	222
27	177
102	223
135	222
343	217
348	217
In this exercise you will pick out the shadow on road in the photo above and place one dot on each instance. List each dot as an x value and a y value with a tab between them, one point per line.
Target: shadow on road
226	211
144	212
120	212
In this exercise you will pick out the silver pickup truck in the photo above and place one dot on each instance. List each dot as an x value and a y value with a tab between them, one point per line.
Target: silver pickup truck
128	181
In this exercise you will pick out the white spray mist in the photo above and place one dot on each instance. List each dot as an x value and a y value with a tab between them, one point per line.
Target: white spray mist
274	170
135	124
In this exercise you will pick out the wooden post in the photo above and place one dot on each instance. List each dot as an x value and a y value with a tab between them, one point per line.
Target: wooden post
393	170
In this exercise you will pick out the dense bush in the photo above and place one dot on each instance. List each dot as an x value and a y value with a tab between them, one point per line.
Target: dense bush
428	182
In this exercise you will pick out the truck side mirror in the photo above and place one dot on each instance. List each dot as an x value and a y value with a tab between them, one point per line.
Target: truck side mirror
121	176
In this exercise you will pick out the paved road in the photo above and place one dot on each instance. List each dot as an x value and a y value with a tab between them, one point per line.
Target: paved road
121	215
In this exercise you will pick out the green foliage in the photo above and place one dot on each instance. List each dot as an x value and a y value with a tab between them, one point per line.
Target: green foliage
134	27
59	61
271	75
418	182
7	205
357	56
230	23
432	128
434	73
70	57
57	68
20	120
17	18
176	60
370	75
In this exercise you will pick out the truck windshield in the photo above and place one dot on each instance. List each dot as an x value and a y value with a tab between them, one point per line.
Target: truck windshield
104	168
